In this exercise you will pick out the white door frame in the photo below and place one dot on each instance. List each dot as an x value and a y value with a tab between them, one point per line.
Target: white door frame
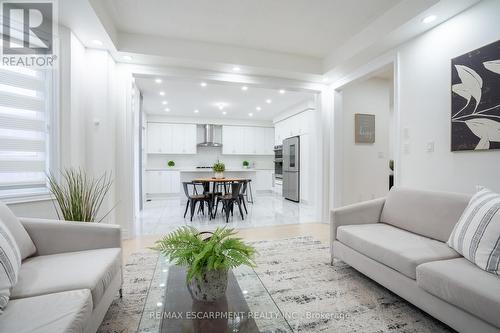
337	144
324	110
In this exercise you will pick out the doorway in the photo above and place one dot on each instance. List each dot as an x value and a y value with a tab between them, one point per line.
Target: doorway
367	133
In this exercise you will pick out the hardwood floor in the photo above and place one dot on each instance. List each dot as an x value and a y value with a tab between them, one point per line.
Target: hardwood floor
319	231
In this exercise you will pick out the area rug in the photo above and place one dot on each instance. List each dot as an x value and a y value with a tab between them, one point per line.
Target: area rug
317	296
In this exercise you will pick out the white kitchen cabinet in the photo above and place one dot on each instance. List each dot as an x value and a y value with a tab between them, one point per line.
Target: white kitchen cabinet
268	148
166	138
163	182
264	180
296	125
231	140
247	140
154	138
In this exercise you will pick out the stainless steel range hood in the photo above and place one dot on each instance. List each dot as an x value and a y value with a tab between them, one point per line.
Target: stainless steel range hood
209	137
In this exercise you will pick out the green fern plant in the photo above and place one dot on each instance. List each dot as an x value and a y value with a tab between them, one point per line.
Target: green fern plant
187	247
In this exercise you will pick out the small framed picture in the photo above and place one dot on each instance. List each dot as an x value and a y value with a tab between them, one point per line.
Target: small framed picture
364	128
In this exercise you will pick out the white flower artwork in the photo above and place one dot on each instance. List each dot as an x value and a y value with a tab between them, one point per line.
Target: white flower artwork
475	116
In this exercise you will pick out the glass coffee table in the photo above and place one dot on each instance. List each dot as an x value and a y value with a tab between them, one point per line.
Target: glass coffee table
247	307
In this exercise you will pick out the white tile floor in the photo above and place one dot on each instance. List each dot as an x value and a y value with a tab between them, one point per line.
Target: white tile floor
163	215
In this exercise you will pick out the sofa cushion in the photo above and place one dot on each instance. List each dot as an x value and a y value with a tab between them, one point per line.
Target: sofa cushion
427	213
64	312
401	250
10	262
461	283
476	236
17	230
92	269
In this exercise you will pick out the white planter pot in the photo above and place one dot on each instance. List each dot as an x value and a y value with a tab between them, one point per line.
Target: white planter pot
219	175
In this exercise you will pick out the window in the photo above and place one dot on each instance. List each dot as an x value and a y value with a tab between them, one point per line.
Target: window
26	139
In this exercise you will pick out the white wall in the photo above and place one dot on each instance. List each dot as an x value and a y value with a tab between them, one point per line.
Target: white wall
425	80
365	167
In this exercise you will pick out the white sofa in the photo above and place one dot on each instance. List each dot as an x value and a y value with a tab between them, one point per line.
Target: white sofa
70	281
400	242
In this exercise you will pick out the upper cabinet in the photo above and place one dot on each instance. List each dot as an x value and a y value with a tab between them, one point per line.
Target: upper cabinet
247	140
166	138
296	125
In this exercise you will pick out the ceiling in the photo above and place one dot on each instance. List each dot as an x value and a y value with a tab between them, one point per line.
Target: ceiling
184	97
305	41
296	27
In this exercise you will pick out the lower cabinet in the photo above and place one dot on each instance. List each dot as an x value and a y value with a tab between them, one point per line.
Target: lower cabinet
163	182
264	180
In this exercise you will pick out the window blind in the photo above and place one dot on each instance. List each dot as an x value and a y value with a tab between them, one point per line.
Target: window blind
23	130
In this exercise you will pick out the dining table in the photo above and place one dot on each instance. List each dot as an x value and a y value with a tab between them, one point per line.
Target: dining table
215	181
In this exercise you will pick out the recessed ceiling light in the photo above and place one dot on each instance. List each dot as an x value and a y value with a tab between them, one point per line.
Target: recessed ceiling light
244	88
236	69
158	81
203	84
164	102
97	42
250	114
258	108
162	93
221	105
224	113
429	19
127	58
268	101
282	91
196	111
167	110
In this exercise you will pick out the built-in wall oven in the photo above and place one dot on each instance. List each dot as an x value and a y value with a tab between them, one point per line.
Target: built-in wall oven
278	162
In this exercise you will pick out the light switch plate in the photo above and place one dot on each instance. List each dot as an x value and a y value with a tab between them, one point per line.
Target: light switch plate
406	133
430	147
406	148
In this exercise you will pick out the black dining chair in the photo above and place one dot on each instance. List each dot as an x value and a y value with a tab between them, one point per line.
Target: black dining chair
204	188
243	193
193	198
229	200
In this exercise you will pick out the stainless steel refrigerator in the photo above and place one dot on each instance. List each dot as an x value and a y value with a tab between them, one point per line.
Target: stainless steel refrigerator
291	168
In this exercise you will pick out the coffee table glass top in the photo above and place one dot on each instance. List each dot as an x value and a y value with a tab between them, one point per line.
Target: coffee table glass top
247	307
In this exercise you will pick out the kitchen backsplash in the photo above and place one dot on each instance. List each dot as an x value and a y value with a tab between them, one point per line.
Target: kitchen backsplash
207	156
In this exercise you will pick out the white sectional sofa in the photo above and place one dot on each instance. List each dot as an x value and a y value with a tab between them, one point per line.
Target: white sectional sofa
68	284
400	242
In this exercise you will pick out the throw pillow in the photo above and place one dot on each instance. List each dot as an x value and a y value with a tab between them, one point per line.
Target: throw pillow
476	236
10	263
17	230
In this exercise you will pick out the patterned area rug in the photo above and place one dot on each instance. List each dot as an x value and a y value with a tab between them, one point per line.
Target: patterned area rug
316	296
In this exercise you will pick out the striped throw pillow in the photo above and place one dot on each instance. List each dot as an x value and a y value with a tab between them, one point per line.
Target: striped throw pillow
476	236
10	263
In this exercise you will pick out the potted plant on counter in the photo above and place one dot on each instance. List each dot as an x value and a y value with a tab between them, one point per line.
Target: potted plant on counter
171	164
208	259
246	164
219	169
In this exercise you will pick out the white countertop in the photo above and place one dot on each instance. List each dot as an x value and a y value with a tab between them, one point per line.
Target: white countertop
206	170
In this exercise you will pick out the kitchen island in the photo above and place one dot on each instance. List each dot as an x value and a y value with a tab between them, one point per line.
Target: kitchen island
168	181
